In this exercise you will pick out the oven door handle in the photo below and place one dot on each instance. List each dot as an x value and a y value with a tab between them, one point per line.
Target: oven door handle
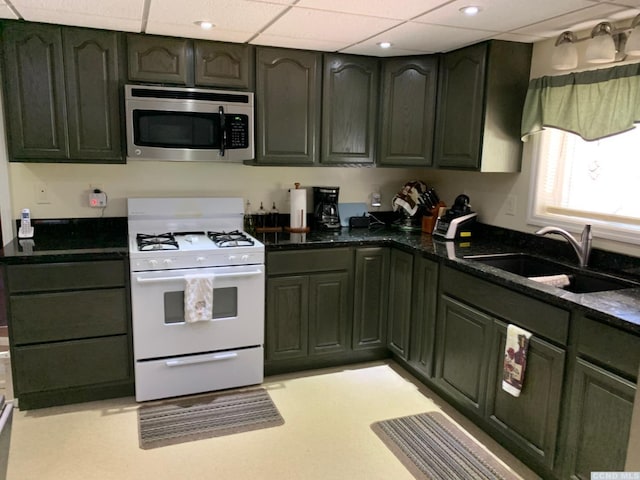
202	359
218	275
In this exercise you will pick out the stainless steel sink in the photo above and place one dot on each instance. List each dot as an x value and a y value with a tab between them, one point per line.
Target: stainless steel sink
531	266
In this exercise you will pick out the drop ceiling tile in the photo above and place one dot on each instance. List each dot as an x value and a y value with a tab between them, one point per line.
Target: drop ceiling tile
519	37
375	51
420	37
581	20
6	12
227	15
501	15
324	45
194	31
322	25
123	15
402	10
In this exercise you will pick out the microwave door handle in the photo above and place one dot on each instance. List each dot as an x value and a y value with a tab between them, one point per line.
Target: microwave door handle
223	129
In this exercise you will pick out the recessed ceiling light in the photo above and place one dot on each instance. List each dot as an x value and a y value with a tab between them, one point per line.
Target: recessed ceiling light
384	44
470	10
205	25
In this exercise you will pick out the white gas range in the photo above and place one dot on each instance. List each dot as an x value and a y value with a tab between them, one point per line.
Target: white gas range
171	242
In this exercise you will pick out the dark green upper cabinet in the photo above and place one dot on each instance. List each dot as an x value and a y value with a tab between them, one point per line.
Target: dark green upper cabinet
92	77
159	59
220	64
349	109
408	111
62	90
481	92
34	85
182	61
288	105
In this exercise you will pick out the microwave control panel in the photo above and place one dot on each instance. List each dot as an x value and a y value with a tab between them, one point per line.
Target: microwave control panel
237	131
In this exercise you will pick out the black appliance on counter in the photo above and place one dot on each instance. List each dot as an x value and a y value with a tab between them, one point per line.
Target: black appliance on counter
458	221
325	208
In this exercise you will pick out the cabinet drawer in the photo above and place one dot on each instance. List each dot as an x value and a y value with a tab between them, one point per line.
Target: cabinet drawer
531	314
48	317
614	349
307	261
65	276
71	364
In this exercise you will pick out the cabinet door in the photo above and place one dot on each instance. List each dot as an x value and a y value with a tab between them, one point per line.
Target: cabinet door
287	322
288	106
370	298
329	313
220	64
529	423
160	59
399	314
423	315
460	107
349	109
408	111
599	420
92	78
463	337
36	105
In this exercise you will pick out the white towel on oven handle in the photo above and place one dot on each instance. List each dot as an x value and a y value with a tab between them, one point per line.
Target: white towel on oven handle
198	297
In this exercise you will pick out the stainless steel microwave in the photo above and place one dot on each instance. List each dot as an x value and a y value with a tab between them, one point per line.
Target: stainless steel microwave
188	124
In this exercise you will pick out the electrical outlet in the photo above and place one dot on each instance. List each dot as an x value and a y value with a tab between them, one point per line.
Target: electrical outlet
511	205
42	194
97	199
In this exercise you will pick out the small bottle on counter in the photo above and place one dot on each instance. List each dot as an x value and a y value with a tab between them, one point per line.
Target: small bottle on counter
273	216
261	217
248	218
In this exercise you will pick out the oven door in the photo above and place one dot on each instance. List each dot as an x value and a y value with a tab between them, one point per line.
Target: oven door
157	301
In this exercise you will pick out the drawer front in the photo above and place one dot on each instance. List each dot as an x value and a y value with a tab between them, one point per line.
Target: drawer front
171	377
612	348
78	363
65	276
49	317
531	314
306	261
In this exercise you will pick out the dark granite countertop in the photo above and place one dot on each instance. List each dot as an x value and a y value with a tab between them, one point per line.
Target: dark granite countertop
59	240
620	308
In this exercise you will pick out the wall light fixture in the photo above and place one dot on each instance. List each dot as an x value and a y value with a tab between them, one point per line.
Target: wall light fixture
606	44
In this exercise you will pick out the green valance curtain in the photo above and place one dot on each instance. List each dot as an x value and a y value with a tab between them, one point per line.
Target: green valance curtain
593	104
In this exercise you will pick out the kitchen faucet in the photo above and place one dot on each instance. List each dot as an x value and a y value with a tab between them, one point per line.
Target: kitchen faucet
582	247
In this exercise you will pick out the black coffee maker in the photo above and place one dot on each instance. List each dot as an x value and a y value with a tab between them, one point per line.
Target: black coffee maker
325	208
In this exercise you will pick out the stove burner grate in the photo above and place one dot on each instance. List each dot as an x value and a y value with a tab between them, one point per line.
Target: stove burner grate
236	238
161	241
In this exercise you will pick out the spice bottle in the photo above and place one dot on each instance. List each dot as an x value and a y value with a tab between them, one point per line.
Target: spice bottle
248	218
261	217
273	216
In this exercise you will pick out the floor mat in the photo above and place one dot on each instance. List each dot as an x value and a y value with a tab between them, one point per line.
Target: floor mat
205	416
433	448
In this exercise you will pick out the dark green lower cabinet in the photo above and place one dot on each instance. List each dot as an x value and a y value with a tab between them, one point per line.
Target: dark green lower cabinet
463	337
329	313
529	424
423	315
599	420
399	317
370	298
287	317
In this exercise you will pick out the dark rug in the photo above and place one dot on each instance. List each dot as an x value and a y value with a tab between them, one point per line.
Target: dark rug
205	416
433	448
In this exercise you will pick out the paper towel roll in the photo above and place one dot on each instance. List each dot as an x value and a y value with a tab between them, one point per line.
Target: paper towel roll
298	202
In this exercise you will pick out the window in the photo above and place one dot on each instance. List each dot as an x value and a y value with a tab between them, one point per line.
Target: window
575	182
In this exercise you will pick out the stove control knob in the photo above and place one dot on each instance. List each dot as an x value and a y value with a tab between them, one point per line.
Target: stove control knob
153	263
245	258
167	261
200	259
232	258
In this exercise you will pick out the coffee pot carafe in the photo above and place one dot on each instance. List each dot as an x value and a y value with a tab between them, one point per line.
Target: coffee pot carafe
325	208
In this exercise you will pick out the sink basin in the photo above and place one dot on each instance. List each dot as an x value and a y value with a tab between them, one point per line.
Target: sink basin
531	266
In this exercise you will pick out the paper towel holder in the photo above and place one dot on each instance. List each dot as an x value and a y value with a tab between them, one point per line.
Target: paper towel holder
302	222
